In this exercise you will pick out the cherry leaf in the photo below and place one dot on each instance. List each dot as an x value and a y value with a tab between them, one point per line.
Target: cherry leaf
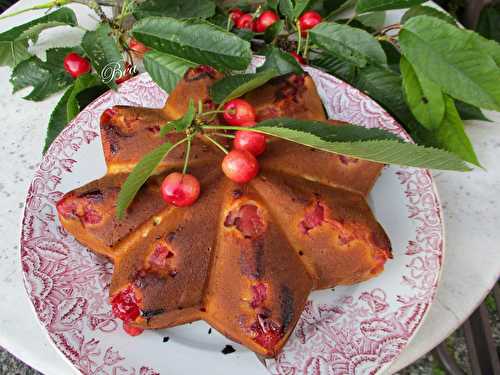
235	86
175	9
139	175
364	6
165	69
466	69
181	123
352	44
370	144
46	77
194	40
280	61
424	97
14	42
106	58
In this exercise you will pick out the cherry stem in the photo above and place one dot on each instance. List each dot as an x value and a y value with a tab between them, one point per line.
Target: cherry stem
225	135
123	13
306	48
211	112
299	42
188	152
49	5
227	127
351	18
386	29
221	147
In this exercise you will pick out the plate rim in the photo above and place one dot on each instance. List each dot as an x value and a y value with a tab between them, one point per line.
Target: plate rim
73	123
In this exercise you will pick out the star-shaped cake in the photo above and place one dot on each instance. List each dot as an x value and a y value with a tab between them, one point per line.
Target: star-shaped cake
244	258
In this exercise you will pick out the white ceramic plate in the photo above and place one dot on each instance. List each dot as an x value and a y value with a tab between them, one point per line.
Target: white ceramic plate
359	329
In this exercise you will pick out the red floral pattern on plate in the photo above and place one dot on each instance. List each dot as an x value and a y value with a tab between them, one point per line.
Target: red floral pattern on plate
355	331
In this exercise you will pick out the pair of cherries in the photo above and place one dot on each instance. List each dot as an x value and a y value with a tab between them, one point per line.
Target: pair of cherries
246	21
239	165
243	20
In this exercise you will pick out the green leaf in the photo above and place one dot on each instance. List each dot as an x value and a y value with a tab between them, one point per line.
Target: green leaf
244	34
167	128
354	45
465	69
89	94
58	119
300	7
71	103
469	112
393	56
364	6
334	7
12	53
272	4
235	86
489	22
451	135
139	175
106	58
195	40
46	77
380	83
273	31
280	61
175	9
286	8
181	123
356	141
374	20
82	83
219	20
166	70
14	42
422	10
424	97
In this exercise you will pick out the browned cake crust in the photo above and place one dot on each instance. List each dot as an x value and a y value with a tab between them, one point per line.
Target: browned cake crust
332	229
243	258
293	96
323	167
129	133
195	86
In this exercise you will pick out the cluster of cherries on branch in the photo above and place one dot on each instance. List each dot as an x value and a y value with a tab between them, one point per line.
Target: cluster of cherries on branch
248	21
239	165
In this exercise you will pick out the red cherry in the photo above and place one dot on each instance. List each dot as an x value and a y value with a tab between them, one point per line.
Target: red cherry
76	65
259	294
128	72
107	115
267	332
265	20
131	330
314	217
180	190
308	20
254	143
125	304
239	112
245	22
240	166
235	14
137	46
297	57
